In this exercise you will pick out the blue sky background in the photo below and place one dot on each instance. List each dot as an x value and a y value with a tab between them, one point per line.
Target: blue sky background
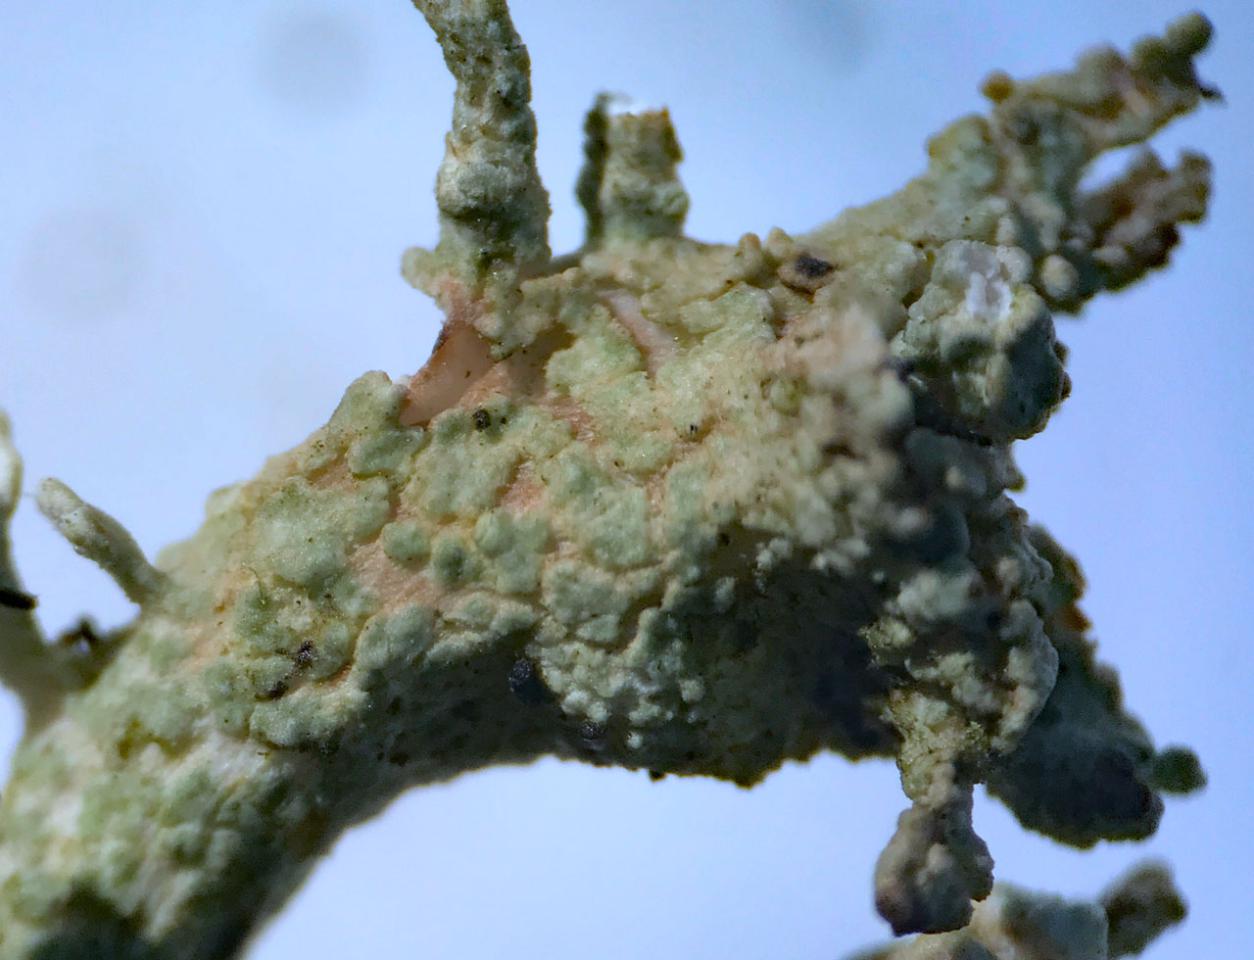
202	209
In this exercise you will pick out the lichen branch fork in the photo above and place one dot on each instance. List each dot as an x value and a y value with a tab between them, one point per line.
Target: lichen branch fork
680	507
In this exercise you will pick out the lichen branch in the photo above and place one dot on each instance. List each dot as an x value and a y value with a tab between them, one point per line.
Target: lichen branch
26	665
493	209
1014	924
100	538
676	506
628	187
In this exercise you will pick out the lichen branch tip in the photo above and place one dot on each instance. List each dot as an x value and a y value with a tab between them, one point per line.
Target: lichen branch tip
628	186
102	539
10	469
493	208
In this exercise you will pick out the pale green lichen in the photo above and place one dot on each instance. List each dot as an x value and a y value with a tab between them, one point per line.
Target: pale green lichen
406	543
25	664
516	545
662	504
96	535
493	209
629	188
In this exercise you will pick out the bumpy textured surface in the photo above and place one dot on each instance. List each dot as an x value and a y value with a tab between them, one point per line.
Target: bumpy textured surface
1013	924
690	508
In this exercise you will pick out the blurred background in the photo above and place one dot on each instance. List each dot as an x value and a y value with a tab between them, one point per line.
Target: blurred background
202	210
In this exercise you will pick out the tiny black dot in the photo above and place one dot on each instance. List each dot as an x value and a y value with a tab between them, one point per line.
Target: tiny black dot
812	267
526	684
482	419
592	734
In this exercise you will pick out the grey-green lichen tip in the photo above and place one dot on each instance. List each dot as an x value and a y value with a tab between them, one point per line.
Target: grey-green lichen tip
493	208
1015	924
27	667
628	186
10	470
96	535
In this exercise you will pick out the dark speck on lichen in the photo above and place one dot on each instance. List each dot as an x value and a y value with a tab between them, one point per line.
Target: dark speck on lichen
526	684
812	267
592	734
305	654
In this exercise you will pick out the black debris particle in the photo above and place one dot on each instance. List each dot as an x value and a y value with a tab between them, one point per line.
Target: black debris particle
275	692
806	272
812	267
482	419
525	683
304	654
592	734
17	599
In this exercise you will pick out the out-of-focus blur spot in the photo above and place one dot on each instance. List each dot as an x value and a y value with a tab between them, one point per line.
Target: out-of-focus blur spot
80	265
837	32
313	59
293	393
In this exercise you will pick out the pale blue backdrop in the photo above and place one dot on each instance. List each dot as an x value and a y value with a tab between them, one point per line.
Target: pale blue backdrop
202	206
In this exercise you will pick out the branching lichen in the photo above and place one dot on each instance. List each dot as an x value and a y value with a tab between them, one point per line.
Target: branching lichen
661	504
1013	924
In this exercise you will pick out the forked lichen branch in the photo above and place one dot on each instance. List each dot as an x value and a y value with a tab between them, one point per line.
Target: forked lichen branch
662	504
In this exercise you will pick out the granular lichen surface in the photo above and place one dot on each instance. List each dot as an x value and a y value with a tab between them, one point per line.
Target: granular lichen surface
661	504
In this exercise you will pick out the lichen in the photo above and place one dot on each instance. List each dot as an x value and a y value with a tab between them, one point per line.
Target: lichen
683	507
1014	924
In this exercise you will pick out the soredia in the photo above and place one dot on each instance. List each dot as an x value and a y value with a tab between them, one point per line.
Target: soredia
660	504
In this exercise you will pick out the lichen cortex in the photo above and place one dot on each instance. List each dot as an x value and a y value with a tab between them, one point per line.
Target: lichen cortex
674	506
1015	924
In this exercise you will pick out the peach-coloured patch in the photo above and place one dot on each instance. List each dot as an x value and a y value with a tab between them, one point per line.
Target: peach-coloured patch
654	343
524	490
569	410
394	585
460	359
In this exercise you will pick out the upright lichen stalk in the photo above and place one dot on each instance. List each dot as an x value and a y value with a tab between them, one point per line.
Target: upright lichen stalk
662	504
494	211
